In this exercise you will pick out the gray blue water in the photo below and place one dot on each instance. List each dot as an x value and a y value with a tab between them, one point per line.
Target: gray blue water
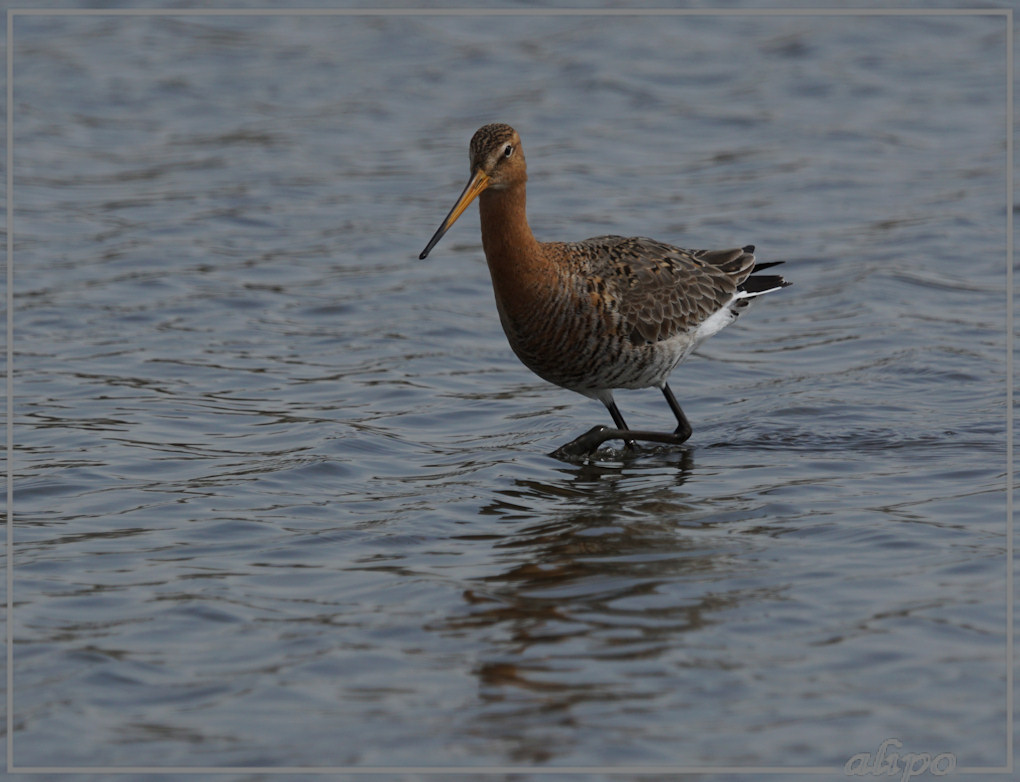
281	491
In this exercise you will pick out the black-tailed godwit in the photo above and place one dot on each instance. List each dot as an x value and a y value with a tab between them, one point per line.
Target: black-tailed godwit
603	313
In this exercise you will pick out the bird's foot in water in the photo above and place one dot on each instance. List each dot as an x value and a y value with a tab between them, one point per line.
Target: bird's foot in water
585	446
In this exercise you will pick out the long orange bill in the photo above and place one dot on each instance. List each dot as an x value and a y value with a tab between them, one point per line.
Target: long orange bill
478	183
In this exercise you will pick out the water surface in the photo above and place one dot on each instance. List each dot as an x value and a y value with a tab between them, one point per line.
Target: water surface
282	491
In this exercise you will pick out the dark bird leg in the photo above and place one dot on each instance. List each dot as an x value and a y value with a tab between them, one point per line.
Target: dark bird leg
594	437
587	443
683	429
614	411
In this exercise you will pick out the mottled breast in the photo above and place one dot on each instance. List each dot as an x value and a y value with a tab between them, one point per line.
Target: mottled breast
618	312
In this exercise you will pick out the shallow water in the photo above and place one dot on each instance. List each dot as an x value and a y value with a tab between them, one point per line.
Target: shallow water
282	491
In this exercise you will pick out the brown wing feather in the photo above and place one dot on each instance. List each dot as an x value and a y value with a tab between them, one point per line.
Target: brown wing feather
659	290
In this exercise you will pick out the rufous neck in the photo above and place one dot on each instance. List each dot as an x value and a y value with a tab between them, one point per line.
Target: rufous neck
506	235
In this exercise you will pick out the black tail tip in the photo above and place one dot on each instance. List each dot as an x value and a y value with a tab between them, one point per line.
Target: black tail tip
748	248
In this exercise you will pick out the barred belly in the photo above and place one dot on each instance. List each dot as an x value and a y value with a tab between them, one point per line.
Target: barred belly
582	348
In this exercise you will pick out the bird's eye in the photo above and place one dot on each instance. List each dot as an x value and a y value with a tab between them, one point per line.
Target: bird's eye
508	151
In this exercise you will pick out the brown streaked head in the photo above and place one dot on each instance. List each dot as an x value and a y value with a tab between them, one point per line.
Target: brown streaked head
497	162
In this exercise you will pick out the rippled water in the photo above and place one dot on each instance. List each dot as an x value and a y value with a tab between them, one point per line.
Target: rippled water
282	491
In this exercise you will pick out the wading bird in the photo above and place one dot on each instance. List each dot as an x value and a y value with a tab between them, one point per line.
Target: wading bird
603	313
